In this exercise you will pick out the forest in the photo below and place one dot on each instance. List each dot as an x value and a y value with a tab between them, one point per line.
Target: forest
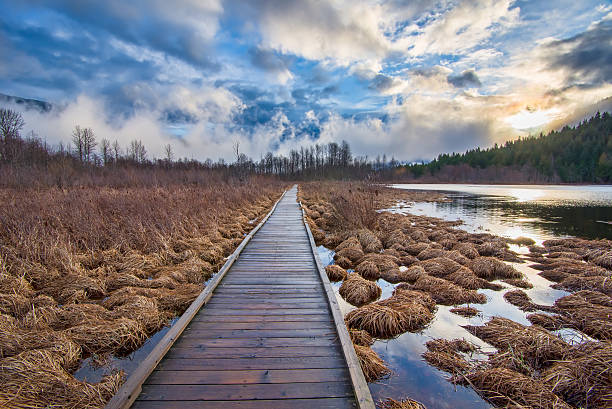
581	154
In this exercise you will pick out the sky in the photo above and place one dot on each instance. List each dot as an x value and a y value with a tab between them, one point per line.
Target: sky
409	79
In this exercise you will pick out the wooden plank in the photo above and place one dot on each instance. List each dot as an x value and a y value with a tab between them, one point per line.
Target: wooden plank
287	311
244	392
360	386
322	403
205	325
256	305
217	377
257	342
266	300
257	333
264	318
130	389
237	364
276	352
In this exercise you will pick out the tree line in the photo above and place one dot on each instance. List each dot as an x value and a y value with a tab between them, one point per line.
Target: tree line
85	152
580	154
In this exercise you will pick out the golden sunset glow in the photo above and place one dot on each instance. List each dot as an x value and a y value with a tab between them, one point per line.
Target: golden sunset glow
528	119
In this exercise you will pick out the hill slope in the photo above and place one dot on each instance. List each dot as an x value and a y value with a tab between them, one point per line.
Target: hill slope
582	154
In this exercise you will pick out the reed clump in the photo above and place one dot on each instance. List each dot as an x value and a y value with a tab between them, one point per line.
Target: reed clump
538	347
446	293
372	366
368	270
335	273
359	291
405	403
467	312
521	300
404	311
445	355
464	277
361	337
491	268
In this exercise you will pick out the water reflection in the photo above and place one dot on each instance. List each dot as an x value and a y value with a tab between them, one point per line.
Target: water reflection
539	212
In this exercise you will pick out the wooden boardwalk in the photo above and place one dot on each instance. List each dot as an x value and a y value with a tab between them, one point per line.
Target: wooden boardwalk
269	336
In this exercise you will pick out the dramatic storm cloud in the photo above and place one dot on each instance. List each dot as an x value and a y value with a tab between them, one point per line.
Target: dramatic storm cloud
409	79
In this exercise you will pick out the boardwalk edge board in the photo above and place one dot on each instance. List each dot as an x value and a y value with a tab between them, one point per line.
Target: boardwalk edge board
127	394
360	386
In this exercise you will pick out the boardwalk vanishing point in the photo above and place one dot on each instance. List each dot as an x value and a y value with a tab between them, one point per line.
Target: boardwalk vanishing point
266	332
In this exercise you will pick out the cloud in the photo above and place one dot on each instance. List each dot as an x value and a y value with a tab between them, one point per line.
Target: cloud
462	27
182	28
586	58
384	83
465	79
271	62
339	32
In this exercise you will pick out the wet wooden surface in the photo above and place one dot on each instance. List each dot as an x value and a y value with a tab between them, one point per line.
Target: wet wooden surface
266	338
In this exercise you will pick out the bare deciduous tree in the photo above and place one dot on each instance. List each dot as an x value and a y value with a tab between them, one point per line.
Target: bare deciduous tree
105	147
11	123
137	151
116	150
169	153
77	140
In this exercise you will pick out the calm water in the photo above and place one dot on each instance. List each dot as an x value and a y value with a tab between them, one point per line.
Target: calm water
538	212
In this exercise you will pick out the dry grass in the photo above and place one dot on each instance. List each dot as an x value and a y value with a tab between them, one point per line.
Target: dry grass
447	293
584	380
404	311
444	355
578	283
465	311
464	277
372	366
518	282
538	347
359	291
507	388
101	269
361	337
520	299
405	403
368	270
335	273
490	268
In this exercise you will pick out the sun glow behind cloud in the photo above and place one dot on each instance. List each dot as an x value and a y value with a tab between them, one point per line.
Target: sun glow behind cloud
530	119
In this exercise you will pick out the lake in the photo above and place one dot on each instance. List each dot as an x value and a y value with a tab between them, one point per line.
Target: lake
538	212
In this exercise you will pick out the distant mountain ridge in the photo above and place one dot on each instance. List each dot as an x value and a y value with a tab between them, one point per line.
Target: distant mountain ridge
581	154
27	103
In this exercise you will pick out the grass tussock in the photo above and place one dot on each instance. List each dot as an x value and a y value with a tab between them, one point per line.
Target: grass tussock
467	312
335	273
446	293
464	277
361	337
445	355
368	270
404	311
584	380
538	347
507	388
359	291
372	366
405	403
491	268
518	282
521	300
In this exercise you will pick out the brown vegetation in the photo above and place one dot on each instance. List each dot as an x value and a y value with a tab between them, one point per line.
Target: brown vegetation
406	403
372	366
335	273
359	291
87	272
